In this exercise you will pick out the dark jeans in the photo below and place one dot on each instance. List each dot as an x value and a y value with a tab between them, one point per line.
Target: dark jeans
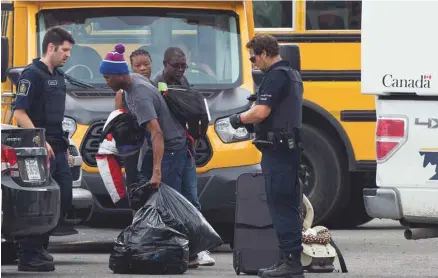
130	164
280	169
178	170
60	171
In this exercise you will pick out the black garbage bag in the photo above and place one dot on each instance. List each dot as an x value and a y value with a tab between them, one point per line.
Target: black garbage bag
201	234
139	192
155	242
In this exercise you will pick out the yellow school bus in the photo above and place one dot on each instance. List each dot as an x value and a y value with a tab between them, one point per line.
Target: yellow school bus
339	155
215	33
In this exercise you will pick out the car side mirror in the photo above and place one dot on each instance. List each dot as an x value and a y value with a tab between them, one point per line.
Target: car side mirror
257	76
5	57
291	53
14	73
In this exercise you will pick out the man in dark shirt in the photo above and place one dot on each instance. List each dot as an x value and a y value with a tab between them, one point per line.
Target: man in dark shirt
175	64
40	102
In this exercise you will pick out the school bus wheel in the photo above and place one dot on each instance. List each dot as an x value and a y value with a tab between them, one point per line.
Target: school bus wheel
328	189
354	214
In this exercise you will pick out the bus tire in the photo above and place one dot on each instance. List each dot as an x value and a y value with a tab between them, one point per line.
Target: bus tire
354	214
325	173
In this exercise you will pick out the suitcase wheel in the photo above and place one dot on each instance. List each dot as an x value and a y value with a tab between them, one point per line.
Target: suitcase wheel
237	269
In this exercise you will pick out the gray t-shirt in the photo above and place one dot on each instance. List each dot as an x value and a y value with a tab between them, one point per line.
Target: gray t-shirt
146	103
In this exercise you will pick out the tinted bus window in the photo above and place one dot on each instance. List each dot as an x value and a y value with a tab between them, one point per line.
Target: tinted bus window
333	15
273	14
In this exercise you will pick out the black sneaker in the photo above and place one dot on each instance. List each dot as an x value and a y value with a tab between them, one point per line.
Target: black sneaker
64	229
35	264
290	268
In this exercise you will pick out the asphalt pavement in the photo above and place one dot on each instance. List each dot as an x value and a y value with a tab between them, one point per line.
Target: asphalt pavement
377	249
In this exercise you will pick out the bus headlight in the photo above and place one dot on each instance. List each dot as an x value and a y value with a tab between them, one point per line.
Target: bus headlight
228	134
69	125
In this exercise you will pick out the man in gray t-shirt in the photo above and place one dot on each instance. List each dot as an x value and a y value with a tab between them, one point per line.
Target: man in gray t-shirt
146	103
167	136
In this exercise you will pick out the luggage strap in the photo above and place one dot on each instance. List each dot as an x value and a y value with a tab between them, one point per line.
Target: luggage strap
322	237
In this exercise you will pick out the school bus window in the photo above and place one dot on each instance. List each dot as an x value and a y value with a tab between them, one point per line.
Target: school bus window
266	14
333	15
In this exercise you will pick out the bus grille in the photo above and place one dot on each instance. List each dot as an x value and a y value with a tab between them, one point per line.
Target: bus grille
90	146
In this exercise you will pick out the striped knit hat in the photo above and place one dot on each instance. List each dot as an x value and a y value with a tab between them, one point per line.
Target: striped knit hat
114	63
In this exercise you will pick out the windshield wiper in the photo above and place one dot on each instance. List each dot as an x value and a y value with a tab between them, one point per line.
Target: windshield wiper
75	81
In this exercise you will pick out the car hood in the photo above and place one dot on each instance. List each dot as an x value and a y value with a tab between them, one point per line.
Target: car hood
86	106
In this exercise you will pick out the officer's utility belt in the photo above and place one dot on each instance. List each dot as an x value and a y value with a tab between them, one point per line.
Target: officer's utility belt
59	144
278	140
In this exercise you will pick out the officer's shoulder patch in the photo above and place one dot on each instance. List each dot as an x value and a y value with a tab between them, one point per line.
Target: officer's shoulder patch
23	87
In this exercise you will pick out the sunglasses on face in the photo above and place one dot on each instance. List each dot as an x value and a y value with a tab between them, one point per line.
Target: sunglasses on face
179	66
252	59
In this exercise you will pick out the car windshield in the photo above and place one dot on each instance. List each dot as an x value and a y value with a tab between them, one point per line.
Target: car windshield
211	41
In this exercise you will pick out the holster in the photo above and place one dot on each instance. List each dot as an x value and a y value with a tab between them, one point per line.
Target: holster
59	143
278	141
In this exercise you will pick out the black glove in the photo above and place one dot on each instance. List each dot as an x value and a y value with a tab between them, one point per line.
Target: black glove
249	128
252	97
235	121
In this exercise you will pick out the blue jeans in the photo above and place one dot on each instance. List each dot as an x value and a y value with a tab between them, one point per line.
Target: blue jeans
178	170
280	169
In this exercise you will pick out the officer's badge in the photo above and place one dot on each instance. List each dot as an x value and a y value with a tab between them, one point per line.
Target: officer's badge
36	140
23	87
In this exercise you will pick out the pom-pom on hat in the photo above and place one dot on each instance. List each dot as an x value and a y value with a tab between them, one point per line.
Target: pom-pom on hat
114	62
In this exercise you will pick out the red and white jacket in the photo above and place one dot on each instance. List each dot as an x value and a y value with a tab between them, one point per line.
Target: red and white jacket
109	168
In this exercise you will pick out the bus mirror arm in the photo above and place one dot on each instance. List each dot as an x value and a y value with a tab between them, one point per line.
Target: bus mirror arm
13	74
5	57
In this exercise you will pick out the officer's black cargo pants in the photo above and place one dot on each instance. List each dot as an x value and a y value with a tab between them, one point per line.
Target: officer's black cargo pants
280	169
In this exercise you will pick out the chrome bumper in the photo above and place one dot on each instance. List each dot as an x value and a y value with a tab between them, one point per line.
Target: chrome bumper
382	203
82	198
75	162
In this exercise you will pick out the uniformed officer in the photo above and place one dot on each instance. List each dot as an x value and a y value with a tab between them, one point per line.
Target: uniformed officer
40	102
276	116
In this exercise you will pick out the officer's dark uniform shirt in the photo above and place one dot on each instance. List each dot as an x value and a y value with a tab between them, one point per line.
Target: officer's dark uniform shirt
42	95
283	94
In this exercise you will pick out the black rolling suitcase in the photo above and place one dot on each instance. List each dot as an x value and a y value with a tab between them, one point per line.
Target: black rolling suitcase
255	242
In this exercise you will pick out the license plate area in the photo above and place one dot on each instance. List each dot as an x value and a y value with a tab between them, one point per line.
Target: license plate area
32	169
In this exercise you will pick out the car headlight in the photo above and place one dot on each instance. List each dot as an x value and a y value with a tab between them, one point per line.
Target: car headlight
69	125
228	134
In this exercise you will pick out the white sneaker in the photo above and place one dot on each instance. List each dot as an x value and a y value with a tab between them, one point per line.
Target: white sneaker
205	259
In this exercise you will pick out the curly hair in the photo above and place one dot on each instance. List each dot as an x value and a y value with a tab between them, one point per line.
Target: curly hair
138	52
264	42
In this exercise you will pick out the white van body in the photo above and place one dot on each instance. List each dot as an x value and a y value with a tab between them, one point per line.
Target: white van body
399	57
